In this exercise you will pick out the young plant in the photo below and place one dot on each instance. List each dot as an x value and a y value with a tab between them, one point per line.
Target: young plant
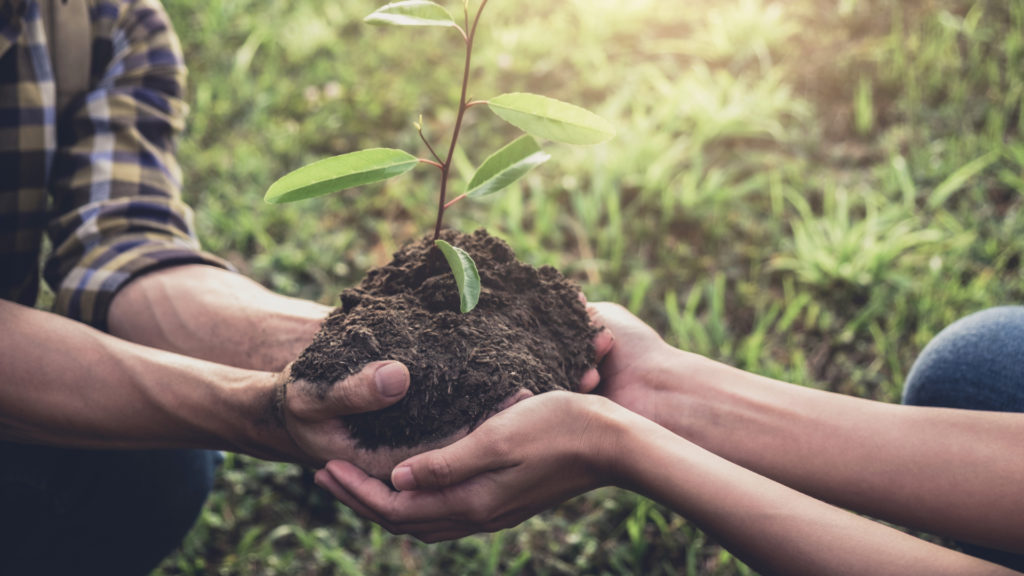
538	116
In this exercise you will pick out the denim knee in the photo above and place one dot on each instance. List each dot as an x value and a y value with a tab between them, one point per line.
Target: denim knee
66	511
976	363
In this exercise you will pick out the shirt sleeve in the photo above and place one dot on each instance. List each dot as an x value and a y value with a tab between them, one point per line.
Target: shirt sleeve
116	182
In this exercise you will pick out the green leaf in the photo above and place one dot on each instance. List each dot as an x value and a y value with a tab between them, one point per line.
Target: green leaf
340	172
412	13
466	276
552	119
506	166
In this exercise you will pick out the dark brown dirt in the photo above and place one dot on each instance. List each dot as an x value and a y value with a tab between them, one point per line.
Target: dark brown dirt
529	331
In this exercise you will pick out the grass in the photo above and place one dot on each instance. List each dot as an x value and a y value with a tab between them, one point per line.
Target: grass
807	189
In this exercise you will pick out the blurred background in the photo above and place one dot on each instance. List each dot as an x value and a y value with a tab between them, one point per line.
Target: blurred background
807	189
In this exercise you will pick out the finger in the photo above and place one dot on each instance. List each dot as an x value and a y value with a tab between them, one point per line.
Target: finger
603	312
595	310
610	314
516	398
405	512
471	456
378	385
431	516
327	481
590	381
604	340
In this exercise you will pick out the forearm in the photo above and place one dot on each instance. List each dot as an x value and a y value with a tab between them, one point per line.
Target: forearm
213	314
67	384
953	472
774	528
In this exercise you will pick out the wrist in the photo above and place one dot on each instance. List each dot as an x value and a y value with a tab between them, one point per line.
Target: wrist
637	442
712	404
258	429
611	431
665	387
689	403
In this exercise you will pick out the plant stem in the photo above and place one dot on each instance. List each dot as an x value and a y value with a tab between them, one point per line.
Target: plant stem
454	200
429	147
463	106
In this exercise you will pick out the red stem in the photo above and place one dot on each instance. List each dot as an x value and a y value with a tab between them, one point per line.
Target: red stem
463	106
454	200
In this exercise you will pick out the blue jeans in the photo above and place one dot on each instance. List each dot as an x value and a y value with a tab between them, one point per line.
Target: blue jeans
977	363
66	511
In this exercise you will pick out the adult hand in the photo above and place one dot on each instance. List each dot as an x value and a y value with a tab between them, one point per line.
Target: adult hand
537	453
311	420
633	368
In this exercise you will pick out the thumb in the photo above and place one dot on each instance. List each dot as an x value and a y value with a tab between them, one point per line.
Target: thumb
378	385
471	456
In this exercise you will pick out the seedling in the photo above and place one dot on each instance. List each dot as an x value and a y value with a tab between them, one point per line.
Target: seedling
538	116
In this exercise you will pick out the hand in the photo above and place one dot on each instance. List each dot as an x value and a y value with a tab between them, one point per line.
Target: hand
629	371
538	453
313	422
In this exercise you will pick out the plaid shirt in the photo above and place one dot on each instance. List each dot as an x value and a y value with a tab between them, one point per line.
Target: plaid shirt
100	177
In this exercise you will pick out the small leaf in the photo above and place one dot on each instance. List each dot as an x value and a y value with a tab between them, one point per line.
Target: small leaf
340	172
552	119
412	13
506	166
467	279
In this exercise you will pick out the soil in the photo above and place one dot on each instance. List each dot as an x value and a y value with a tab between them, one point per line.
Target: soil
530	330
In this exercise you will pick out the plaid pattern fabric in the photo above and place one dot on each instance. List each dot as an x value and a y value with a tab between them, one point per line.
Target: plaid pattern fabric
107	161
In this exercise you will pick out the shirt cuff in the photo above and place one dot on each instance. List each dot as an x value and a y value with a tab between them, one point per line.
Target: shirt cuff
86	292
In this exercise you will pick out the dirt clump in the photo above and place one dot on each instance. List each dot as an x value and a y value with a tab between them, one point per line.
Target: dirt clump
529	331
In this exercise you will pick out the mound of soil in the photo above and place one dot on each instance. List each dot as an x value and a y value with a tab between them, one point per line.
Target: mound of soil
529	330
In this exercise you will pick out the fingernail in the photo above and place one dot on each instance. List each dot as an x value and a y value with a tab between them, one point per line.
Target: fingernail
392	379
402	478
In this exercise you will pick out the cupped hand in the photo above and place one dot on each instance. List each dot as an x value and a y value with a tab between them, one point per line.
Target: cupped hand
314	421
537	453
629	371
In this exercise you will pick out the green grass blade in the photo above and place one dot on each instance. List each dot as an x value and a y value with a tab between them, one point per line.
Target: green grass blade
959	178
552	119
467	278
339	173
506	166
411	13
